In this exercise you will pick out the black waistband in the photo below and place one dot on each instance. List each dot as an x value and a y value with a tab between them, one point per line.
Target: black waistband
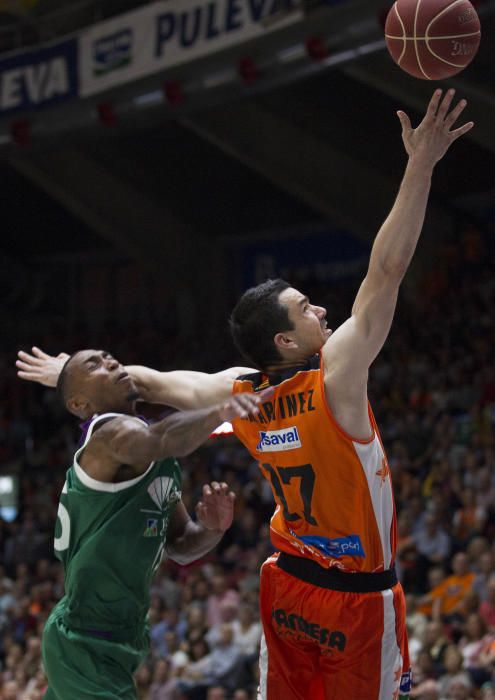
336	580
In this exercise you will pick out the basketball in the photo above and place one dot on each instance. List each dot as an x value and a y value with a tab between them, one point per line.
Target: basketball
432	39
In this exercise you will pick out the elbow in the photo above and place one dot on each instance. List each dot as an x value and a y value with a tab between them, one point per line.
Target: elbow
394	271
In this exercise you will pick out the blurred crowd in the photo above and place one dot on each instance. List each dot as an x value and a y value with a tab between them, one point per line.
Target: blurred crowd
433	392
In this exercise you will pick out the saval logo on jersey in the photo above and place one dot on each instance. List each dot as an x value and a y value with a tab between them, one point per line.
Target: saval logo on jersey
278	440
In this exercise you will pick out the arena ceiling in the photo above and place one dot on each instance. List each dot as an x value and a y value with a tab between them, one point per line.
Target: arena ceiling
320	142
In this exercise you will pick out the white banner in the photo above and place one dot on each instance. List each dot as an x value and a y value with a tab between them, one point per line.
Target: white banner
165	34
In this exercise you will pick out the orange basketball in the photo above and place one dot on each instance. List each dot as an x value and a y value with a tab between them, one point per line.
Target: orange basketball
432	39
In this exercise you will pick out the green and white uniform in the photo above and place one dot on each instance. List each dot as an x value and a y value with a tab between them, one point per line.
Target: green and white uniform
110	539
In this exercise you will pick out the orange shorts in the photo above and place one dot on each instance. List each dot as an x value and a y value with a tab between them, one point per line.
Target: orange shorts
322	644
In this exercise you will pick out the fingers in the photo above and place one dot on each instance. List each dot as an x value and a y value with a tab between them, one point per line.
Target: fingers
26	366
266	393
461	131
404	120
27	375
216	490
431	112
455	114
445	104
244	404
29	359
39	353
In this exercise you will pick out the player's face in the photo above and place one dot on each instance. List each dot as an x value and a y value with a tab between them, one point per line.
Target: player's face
104	381
310	322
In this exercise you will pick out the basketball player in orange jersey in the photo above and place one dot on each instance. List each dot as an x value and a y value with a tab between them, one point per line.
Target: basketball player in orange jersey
333	612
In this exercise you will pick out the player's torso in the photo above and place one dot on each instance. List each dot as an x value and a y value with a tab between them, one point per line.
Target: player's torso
333	493
110	539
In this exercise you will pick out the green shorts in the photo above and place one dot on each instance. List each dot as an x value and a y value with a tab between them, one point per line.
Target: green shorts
83	667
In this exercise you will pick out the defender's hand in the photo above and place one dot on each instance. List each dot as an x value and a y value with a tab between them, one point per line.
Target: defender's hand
243	405
432	138
215	511
40	367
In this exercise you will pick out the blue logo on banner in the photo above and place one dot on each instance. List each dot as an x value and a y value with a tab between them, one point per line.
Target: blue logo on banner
338	547
112	52
38	78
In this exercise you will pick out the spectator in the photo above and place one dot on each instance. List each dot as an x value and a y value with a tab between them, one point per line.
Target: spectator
469	519
220	594
163	685
435	644
453	672
432	544
448	597
486	567
487	607
472	645
247	631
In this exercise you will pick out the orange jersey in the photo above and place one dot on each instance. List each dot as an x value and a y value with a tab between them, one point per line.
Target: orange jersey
333	493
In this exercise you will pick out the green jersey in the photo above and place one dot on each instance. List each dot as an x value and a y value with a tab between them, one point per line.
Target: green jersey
110	539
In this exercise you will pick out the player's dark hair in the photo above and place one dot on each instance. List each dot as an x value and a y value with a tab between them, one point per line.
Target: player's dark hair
257	317
62	387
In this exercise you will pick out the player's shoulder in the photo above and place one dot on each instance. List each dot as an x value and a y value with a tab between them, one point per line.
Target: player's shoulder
110	424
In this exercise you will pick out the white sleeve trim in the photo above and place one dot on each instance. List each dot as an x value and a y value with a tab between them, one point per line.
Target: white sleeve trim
94	484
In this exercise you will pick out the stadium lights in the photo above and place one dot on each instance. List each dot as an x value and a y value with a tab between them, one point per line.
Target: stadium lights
316	48
20	132
173	92
106	114
248	70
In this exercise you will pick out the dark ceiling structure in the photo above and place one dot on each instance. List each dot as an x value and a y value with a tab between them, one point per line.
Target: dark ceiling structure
309	141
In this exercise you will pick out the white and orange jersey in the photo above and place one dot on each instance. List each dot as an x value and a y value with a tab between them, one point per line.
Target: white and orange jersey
333	493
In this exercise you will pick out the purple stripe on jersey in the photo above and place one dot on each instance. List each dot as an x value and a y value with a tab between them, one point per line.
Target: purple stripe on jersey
85	427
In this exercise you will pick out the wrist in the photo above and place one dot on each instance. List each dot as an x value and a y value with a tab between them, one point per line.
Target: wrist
421	164
211	530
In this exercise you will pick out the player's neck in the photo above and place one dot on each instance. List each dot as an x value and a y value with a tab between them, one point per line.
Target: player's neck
127	408
286	363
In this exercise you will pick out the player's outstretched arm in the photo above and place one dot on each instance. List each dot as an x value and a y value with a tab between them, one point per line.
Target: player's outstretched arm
188	540
184	389
352	348
126	440
180	389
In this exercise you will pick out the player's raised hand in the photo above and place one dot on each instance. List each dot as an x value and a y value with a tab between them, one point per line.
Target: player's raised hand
243	405
432	138
40	367
215	511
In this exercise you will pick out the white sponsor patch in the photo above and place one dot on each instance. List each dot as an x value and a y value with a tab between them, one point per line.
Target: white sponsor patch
278	440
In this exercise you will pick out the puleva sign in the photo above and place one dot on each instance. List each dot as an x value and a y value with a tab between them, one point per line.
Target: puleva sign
38	78
165	34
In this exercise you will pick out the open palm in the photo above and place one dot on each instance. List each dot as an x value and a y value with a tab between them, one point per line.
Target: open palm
215	511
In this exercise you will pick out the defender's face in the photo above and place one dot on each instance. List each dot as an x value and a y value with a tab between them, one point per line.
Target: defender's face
103	381
310	325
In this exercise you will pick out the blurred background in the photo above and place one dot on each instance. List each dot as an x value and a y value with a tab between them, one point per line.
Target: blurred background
157	158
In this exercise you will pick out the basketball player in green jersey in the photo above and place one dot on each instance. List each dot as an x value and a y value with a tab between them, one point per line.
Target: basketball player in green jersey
119	511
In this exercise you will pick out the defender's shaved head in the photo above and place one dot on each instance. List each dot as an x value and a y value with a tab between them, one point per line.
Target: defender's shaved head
93	381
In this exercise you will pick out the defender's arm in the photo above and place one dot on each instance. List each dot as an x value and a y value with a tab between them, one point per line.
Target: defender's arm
180	389
126	440
188	540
